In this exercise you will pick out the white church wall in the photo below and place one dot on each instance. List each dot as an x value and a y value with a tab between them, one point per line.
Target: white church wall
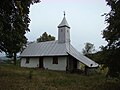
33	62
48	63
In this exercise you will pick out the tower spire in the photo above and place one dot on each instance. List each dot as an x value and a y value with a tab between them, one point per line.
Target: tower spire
64	22
64	13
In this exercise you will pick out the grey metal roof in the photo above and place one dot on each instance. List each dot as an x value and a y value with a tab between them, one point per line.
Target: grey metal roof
73	52
50	48
53	48
63	23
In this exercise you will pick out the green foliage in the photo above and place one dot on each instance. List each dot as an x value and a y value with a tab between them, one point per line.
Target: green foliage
111	57
97	57
112	36
112	31
14	22
45	37
89	48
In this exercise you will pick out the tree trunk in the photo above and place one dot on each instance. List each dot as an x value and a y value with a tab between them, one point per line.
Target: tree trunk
14	58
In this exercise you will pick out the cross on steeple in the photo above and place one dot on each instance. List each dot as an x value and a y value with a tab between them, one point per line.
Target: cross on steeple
64	13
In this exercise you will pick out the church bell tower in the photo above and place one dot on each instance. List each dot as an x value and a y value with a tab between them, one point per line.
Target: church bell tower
63	31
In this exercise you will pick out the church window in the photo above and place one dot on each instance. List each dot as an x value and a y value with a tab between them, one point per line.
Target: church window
27	60
55	60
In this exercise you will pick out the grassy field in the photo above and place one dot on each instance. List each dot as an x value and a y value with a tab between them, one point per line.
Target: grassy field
16	78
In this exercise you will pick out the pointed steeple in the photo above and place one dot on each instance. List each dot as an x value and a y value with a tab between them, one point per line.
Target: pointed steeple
64	23
63	31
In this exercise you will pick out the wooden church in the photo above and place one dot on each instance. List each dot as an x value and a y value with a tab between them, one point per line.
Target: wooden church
55	55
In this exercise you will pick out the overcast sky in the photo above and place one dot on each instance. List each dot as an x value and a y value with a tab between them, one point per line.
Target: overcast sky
83	16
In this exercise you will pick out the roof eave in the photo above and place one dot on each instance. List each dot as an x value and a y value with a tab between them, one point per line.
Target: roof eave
63	26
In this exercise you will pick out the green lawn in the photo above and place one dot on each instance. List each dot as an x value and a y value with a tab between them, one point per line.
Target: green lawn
17	78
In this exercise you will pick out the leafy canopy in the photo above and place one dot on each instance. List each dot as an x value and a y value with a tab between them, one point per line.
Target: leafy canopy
14	22
89	48
45	37
112	36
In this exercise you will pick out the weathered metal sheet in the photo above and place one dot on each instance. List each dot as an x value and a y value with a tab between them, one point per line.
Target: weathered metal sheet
50	48
63	23
73	52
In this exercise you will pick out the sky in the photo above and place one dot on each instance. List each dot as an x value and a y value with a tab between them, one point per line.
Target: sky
83	16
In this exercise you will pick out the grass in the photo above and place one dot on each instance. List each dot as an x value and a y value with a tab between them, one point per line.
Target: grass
17	78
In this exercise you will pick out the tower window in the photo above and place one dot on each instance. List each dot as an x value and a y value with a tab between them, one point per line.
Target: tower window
61	30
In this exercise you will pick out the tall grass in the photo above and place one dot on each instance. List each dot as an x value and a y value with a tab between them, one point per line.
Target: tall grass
16	78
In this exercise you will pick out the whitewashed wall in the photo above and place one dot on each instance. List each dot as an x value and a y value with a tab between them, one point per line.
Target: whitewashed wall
33	62
48	63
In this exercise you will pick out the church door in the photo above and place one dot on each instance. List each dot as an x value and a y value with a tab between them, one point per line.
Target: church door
40	62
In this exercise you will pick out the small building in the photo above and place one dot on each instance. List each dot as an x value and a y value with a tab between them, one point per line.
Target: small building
55	55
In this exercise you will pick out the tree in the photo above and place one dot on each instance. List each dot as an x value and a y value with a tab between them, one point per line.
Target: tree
45	37
112	36
14	22
89	48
